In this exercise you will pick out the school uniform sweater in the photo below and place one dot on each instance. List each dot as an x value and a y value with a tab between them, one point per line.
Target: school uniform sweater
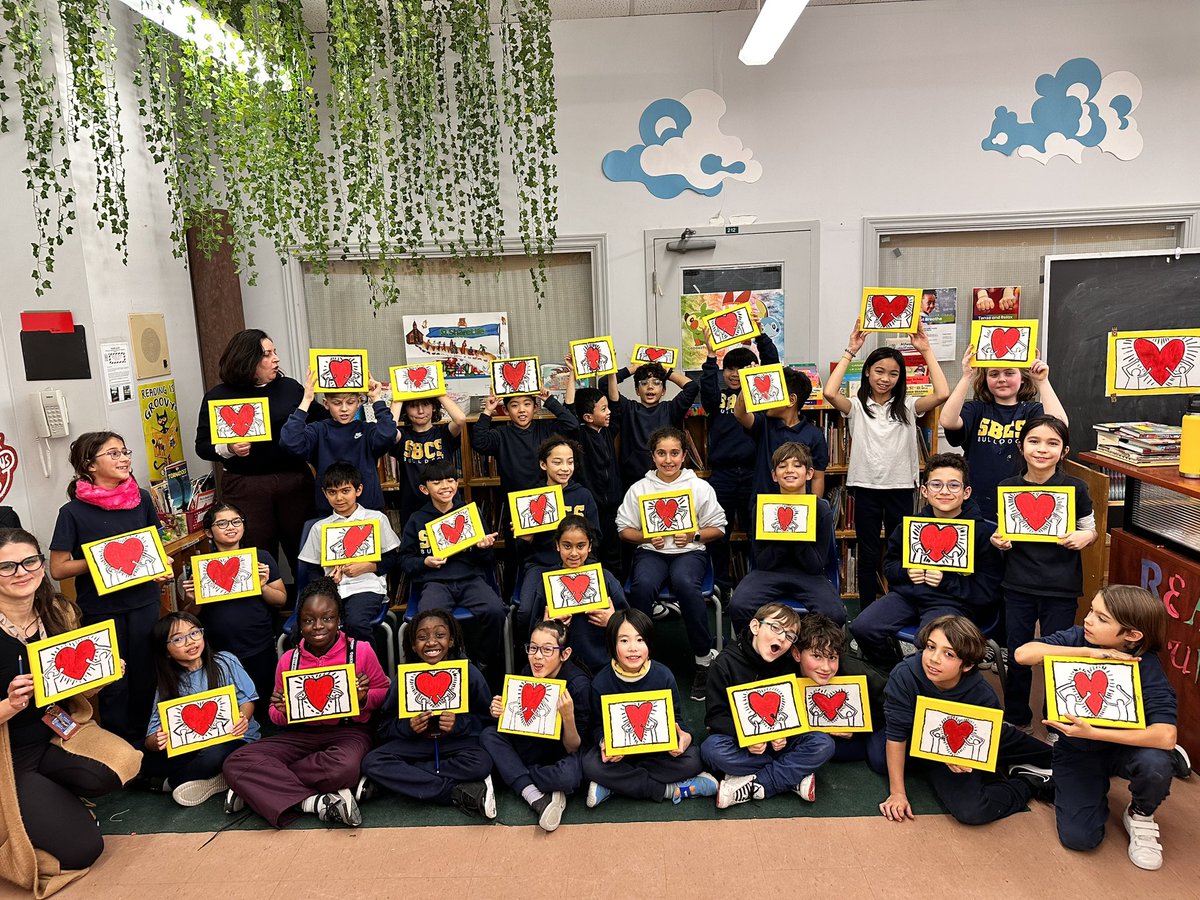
639	421
466	725
798	557
605	682
739	663
245	625
976	591
358	442
577	501
586	640
707	514
1158	697
1038	567
516	448
988	437
366	669
417	449
728	444
597	470
414	548
769	434
908	681
265	457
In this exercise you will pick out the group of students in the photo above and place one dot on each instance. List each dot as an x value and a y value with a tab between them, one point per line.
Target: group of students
606	451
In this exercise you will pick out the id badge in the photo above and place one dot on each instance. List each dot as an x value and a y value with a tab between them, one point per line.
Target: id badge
60	722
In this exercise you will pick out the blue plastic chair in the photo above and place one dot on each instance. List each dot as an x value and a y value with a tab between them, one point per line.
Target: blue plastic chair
462	615
908	635
708	591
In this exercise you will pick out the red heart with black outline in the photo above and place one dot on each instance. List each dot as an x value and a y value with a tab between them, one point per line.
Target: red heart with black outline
765	705
887	308
938	540
654	354
124	555
199	716
354	538
784	515
223	572
666	510
1160	362
1003	340
416	376
341	371
829	704
75	661
1092	690
728	323
537	508
318	690
513	374
762	384
638	714
453	531
591	355
956	733
532	696
577	585
433	685
1035	508
239	418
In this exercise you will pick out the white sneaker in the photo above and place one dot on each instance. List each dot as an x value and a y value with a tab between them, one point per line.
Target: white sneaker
1145	851
736	789
193	793
549	810
807	788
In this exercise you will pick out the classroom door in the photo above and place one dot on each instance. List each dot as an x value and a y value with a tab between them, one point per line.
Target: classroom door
779	262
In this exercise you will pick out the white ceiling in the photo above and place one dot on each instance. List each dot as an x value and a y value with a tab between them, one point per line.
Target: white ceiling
315	10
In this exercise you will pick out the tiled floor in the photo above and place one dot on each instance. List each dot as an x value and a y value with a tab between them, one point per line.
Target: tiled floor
850	858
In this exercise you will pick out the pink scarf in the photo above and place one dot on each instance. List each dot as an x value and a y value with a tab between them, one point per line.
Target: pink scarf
126	495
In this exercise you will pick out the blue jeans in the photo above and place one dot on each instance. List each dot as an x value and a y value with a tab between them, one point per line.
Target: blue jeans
1081	778
775	771
760	586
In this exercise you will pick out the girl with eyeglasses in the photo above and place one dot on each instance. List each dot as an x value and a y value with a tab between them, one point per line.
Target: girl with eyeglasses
542	772
41	793
185	664
105	501
245	626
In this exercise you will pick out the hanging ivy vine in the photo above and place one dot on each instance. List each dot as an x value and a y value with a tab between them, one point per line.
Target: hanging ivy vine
425	100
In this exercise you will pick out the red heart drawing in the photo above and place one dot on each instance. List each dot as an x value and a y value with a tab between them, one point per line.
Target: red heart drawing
354	538
537	508
591	353
666	510
938	540
829	704
199	716
75	661
887	308
1004	339
762	384
532	696
433	685
238	419
784	516
513	374
727	322
577	584
124	555
765	704
1092	690
1160	362
417	375
318	689
340	370
638	714
452	531
956	733
1035	508
654	354
223	572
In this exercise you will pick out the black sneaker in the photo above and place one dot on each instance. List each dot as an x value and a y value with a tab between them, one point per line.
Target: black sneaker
700	684
1040	781
1181	762
475	798
365	789
549	809
339	808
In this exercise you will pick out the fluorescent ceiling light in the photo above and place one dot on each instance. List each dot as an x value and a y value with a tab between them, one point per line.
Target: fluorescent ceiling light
775	20
195	25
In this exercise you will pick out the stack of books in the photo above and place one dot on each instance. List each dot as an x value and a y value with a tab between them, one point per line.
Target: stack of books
1139	443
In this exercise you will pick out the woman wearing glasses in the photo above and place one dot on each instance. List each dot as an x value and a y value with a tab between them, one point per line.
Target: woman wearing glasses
40	782
243	626
105	501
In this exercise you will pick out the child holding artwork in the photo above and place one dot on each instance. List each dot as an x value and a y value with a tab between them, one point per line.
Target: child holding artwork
105	501
884	460
987	427
946	667
820	653
642	419
244	626
422	438
677	559
457	580
1042	581
574	541
515	446
311	767
772	429
597	470
542	771
184	663
436	756
361	585
791	570
673	775
1124	623
773	766
919	595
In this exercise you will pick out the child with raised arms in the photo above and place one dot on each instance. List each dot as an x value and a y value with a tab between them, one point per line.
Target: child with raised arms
311	767
641	419
515	445
423	438
541	771
597	469
884	460
771	429
673	775
435	756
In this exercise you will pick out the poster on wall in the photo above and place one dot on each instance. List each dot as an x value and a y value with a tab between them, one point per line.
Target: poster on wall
996	302
160	427
117	367
767	305
464	343
8	466
939	315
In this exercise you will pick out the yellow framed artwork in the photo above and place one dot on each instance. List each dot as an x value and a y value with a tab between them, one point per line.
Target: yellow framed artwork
240	421
667	513
959	734
639	722
763	387
68	664
785	517
417	382
945	544
840	705
440	688
343	543
314	695
200	720
339	371
225	575
652	353
1035	513
571	591
536	510
730	325
765	710
124	560
516	376
529	706
593	357
1153	362
1004	343
458	530
1104	692
890	309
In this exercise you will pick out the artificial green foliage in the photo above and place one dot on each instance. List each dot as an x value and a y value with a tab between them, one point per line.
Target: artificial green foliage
426	99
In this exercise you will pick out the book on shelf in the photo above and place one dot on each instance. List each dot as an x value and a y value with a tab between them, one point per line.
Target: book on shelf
1141	449
851	380
1134	459
815	400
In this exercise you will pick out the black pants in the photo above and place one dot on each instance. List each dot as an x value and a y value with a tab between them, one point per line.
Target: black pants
734	489
876	508
276	508
124	705
50	782
975	797
195	766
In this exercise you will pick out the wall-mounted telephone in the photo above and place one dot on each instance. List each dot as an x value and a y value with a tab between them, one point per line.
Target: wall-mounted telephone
50	414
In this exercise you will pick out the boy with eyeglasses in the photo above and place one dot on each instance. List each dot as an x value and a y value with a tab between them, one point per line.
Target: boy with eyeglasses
640	420
917	595
761	770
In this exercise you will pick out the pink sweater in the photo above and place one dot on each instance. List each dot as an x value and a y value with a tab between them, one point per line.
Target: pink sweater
366	669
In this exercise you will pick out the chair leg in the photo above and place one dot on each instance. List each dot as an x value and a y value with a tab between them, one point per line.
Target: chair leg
280	646
508	642
720	620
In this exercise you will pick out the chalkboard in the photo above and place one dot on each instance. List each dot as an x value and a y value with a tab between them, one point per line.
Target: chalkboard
1085	299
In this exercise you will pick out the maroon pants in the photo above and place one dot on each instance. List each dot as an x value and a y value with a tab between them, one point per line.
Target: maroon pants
274	775
276	508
